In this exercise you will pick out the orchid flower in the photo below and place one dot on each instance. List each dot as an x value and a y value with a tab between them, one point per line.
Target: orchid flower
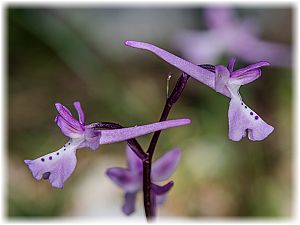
59	165
227	82
131	179
228	35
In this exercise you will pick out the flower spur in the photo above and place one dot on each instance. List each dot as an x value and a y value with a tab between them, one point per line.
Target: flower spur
227	82
131	179
59	165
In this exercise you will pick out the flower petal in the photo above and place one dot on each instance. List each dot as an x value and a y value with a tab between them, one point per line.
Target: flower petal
92	138
160	190
117	135
79	111
56	166
129	203
231	64
221	81
160	199
246	77
200	74
242	118
241	71
134	162
219	17
125	179
67	128
165	166
67	115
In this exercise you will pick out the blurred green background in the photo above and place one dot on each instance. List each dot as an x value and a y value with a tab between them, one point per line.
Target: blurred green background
67	54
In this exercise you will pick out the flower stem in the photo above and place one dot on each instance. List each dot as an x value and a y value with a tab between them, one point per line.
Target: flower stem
149	200
176	93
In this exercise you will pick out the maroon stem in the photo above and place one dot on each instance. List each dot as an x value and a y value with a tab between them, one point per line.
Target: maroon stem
176	93
149	198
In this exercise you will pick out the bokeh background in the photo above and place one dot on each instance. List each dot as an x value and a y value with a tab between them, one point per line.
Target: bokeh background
67	54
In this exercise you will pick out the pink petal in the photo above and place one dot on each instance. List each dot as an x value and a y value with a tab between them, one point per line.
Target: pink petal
66	114
196	46
242	118
129	203
92	138
256	49
246	77
67	128
165	166
129	181
57	166
231	64
134	162
117	135
241	71
160	190
79	111
160	199
200	74
220	17
222	78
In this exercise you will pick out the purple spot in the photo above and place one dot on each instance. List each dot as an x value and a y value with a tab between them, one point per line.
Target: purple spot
251	113
242	103
42	159
256	117
69	143
246	107
46	175
64	149
57	153
50	158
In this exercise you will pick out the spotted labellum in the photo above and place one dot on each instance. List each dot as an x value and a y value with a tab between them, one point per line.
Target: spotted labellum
130	179
223	80
59	165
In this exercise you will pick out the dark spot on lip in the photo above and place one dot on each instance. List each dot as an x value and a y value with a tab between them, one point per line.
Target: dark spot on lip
46	175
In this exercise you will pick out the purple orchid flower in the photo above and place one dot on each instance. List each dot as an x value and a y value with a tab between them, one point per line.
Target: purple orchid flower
228	35
131	179
59	165
227	82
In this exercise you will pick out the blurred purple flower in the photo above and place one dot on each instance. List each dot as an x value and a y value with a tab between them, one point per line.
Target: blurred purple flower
228	35
59	165
130	179
227	82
